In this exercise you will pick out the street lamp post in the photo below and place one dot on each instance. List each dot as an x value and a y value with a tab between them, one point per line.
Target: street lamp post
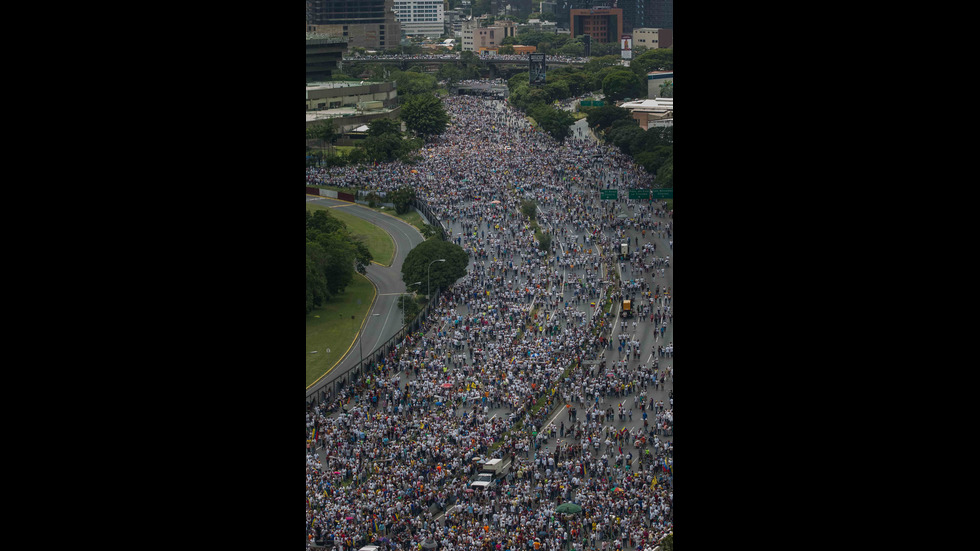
428	277
360	342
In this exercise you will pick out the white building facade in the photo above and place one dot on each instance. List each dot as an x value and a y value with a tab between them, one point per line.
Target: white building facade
420	17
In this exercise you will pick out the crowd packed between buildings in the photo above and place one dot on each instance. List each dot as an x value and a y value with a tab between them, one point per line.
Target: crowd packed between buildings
390	458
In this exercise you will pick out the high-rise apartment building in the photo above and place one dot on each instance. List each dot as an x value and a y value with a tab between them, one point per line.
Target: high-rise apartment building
659	14
421	17
365	23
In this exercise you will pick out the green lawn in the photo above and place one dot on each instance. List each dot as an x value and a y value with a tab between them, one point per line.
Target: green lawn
331	328
378	241
411	217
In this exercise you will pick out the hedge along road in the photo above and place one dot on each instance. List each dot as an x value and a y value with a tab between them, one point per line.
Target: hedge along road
384	319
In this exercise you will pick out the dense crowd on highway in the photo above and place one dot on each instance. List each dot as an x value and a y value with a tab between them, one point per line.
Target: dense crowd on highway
390	458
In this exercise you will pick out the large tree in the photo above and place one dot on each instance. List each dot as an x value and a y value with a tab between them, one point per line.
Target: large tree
424	115
419	264
665	175
653	160
323	131
332	256
622	83
656	59
412	82
600	118
402	198
385	141
556	122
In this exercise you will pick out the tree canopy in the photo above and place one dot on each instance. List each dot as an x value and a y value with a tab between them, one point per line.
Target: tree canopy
556	122
656	59
424	115
411	82
601	118
623	83
441	274
385	142
332	255
402	198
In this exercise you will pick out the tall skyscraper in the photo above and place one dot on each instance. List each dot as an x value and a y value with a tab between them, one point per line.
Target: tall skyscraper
659	14
365	23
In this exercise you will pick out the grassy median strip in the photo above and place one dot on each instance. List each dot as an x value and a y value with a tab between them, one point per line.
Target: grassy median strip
378	241
330	330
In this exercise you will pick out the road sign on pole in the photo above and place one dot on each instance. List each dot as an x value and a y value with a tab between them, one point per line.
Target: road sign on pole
608	194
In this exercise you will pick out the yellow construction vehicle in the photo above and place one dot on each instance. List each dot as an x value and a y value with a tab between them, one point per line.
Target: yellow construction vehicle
626	309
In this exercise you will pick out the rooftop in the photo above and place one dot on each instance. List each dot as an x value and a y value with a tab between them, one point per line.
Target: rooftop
336	84
650	105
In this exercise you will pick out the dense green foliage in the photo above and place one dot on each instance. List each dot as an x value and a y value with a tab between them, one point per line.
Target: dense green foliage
529	208
424	115
652	149
332	255
402	198
385	142
601	118
412	82
623	83
452	73
556	122
411	305
441	274
325	133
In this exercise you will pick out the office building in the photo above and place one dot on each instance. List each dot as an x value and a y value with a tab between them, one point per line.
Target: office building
367	24
324	55
651	112
660	14
602	24
653	38
420	17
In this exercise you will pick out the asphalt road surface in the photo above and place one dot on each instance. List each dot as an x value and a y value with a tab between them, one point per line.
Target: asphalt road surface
384	319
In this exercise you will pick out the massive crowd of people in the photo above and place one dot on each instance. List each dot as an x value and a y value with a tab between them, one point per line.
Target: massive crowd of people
390	458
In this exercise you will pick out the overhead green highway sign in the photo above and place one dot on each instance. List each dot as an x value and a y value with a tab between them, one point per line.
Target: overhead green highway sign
608	194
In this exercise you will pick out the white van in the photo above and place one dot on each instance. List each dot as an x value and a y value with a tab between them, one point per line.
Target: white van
493	466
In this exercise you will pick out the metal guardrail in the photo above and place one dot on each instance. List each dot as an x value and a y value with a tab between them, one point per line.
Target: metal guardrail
326	389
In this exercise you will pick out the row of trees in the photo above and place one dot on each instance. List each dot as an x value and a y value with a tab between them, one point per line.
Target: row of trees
332	256
558	44
652	149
